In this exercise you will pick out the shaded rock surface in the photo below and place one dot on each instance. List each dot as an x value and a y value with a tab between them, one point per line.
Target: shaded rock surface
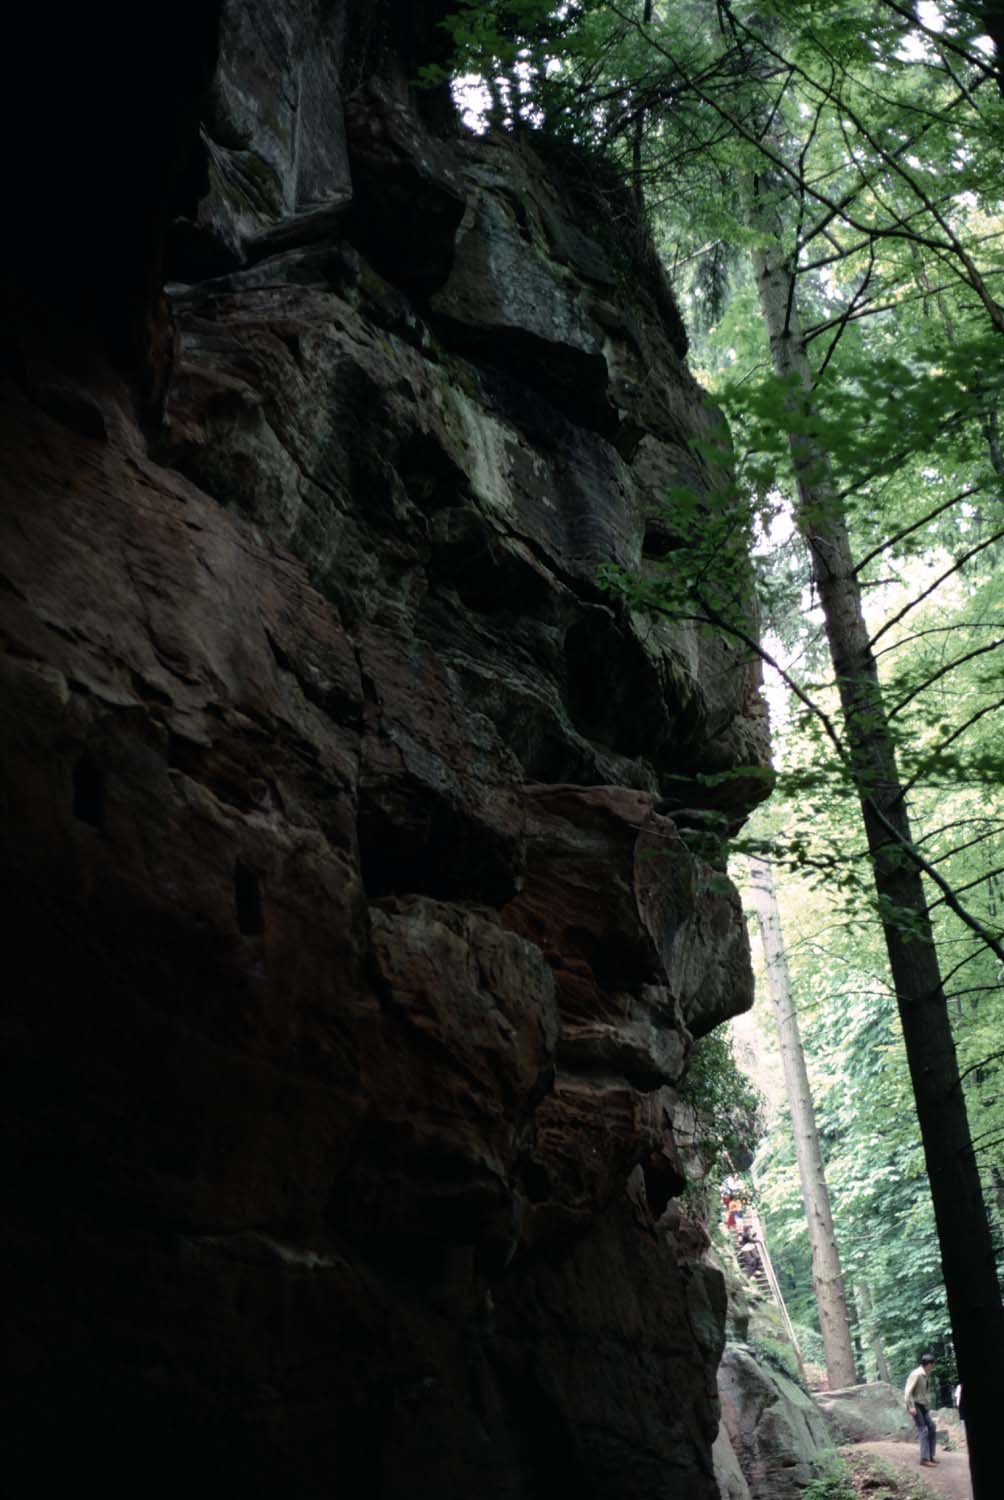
358	950
866	1413
772	1425
729	1476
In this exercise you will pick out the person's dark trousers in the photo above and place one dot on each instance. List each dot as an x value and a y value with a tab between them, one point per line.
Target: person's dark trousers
928	1432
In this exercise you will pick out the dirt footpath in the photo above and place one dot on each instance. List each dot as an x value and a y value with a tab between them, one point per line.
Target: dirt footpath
950	1477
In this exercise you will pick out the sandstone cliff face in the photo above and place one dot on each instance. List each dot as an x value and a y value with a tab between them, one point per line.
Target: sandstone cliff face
357	948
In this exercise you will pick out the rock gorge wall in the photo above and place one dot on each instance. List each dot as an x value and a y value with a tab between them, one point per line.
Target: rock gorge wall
353	951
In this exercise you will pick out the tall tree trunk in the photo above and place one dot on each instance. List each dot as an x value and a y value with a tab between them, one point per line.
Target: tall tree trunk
827	1279
864	1299
638	135
992	433
992	15
974	1298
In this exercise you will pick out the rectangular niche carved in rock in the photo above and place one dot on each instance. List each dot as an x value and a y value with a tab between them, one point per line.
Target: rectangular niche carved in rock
89	793
247	894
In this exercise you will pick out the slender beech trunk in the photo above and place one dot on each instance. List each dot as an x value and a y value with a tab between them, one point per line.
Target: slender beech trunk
867	1306
967	1256
826	1274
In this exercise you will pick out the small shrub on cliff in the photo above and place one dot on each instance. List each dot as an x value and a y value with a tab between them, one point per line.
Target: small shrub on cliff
780	1357
728	1106
810	1343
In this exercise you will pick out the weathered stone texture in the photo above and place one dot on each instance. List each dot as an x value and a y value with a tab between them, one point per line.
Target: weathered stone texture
866	1413
772	1425
357	949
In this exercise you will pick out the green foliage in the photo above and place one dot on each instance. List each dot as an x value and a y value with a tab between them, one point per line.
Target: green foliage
780	1357
830	1480
531	56
874	1162
730	1108
809	1342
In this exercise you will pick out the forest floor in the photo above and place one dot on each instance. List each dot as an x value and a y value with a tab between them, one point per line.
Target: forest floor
891	1471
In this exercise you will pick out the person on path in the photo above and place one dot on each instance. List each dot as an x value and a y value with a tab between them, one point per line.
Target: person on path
918	1404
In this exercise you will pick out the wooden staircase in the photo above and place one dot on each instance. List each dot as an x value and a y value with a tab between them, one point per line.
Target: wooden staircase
763	1276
